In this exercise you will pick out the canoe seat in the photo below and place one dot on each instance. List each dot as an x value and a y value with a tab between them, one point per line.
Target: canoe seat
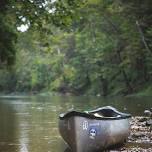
102	116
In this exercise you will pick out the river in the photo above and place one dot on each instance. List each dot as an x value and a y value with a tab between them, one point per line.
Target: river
30	123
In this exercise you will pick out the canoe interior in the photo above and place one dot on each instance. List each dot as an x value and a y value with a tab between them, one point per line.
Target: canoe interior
104	113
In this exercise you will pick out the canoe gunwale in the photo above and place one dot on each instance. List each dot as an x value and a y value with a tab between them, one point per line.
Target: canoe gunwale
90	114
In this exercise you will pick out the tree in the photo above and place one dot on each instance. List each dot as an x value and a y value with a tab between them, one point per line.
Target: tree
32	14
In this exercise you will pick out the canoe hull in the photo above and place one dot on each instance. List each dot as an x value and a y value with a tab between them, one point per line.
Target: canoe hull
88	135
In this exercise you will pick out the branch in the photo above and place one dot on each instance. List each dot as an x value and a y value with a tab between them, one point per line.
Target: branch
143	37
112	24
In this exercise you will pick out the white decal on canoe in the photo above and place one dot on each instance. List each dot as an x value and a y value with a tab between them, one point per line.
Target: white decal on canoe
85	125
92	133
94	124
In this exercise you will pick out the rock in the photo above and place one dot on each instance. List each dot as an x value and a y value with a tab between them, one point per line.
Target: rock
143	124
142	119
147	113
135	128
137	135
149	122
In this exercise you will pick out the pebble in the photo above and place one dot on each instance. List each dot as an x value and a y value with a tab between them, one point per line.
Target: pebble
142	119
149	122
138	135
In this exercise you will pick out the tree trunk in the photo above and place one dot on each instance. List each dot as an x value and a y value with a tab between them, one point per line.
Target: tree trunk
104	86
126	79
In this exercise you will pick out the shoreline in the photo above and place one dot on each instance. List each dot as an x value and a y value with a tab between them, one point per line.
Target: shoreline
140	139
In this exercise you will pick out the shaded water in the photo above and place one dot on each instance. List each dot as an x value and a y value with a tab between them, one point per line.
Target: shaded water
30	124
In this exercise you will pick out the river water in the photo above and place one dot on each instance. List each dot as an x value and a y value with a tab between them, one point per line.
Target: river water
30	124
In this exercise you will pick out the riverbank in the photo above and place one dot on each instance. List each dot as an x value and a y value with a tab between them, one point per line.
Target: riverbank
138	94
146	91
142	92
140	139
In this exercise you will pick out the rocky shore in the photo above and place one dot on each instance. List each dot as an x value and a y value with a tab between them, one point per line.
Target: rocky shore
140	139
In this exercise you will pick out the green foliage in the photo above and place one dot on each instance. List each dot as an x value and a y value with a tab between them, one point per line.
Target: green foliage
99	47
32	14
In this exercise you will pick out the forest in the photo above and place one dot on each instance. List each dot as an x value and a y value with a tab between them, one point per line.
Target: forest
79	47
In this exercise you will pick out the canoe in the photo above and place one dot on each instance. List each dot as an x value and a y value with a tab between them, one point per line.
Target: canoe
94	130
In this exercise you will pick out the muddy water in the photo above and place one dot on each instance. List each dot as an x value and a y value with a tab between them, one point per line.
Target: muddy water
30	124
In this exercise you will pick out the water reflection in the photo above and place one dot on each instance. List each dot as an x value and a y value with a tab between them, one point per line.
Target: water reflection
23	137
31	124
7	128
